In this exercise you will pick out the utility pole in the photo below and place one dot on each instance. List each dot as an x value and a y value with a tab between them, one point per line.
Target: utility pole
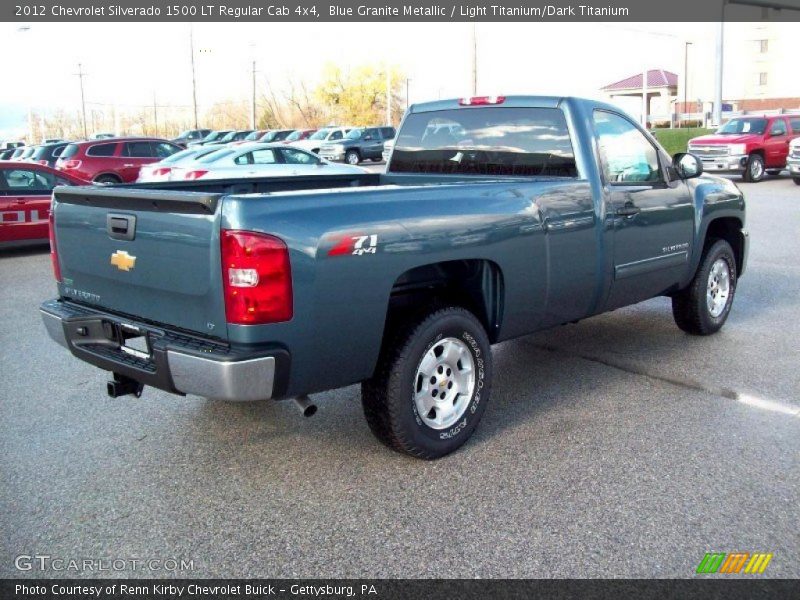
253	108
388	97
718	78
81	75
645	103
155	112
194	80
474	60
685	81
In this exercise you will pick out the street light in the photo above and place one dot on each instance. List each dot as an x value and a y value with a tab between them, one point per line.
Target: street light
685	78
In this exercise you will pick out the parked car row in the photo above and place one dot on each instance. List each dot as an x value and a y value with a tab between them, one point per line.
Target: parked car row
753	146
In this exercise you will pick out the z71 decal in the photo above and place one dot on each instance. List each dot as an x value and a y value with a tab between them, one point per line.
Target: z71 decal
356	245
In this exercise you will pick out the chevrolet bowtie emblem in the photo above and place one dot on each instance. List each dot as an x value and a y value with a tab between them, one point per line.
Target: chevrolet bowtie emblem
122	260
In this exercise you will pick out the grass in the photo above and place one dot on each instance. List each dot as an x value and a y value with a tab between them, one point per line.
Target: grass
676	140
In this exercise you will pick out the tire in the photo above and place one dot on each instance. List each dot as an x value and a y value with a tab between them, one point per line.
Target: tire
352	157
409	368
108	179
796	180
691	306
754	169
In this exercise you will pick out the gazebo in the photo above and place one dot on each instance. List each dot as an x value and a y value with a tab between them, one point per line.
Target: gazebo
660	84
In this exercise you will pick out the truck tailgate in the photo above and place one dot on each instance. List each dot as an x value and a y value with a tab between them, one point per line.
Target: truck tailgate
145	253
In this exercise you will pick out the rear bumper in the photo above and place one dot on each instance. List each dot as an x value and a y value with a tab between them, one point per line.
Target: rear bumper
176	362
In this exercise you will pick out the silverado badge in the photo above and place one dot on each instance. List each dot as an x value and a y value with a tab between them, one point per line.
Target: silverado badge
122	260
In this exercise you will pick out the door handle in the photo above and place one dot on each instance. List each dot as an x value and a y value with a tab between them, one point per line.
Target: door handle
129	166
628	210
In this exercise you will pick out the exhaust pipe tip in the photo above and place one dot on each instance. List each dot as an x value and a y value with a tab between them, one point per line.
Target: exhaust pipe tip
306	406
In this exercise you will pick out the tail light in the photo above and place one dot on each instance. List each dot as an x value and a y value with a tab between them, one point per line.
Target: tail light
256	277
482	100
161	171
53	248
70	164
192	175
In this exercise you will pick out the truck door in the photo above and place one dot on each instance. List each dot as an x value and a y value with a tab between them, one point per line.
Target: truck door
24	204
652	217
776	144
372	144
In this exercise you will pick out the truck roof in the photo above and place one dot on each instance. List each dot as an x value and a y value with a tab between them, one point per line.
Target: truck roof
508	102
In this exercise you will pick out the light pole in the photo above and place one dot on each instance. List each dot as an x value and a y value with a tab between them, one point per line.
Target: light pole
81	75
685	80
194	80
474	60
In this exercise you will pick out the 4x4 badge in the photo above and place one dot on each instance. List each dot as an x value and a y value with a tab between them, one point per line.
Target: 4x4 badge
122	260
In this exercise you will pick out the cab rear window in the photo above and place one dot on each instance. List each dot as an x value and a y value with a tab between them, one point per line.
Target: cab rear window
486	141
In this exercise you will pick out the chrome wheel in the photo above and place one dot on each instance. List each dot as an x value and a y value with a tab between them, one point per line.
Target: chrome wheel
719	287
352	158
444	383
756	170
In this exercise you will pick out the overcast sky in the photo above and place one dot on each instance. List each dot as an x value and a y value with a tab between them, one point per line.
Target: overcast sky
127	63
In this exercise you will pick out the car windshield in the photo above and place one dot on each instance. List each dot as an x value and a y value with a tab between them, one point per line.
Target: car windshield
216	155
253	136
268	137
185	134
354	134
492	141
228	138
320	135
739	126
294	136
173	158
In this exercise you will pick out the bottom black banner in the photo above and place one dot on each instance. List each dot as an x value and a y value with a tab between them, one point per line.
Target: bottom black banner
391	589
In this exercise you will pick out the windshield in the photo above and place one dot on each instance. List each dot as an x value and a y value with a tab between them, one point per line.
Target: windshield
228	138
295	135
488	141
354	134
269	136
173	158
739	126
185	134
253	136
215	156
321	134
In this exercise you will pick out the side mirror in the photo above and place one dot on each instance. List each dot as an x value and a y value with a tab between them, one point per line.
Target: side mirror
687	165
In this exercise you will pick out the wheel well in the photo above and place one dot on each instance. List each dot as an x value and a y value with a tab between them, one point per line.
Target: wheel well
112	175
474	284
730	230
760	152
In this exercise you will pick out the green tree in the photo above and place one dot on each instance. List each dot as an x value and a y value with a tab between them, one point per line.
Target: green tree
358	96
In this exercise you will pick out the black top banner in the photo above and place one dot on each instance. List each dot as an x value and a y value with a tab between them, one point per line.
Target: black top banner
400	10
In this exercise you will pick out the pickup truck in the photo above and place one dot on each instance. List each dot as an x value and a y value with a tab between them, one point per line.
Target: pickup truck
793	162
750	146
527	213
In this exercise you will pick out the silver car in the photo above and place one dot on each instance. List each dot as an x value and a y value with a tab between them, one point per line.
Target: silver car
259	160
162	170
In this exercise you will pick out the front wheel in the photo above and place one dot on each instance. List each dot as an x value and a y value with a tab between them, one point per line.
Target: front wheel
352	157
796	180
754	169
703	307
431	385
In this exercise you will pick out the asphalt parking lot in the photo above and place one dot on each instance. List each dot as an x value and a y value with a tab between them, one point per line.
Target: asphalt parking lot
617	447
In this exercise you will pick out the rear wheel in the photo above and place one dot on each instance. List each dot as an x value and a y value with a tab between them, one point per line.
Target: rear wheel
703	307
108	179
352	157
431	385
796	180
754	169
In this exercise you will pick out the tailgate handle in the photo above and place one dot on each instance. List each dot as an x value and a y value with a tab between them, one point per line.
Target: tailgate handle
121	227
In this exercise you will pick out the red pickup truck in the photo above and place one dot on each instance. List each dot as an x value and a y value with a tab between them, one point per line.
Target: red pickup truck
751	146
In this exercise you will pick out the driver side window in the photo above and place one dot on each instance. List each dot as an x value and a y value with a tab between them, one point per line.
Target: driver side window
778	128
626	155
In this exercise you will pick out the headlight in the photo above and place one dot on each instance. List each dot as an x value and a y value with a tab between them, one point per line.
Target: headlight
737	149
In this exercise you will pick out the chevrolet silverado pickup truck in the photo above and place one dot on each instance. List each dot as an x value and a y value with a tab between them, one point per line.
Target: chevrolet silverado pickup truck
522	213
750	146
